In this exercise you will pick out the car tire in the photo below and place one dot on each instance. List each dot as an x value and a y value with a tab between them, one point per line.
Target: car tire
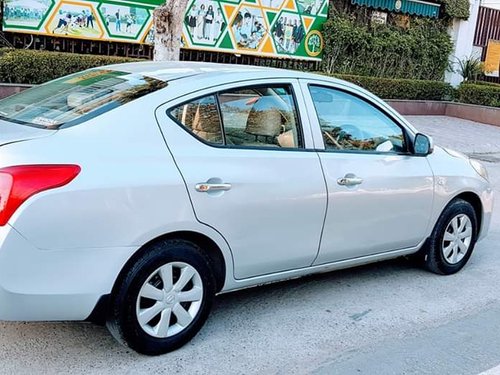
163	298
453	239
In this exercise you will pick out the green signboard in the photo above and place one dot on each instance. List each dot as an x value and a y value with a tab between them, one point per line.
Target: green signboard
271	28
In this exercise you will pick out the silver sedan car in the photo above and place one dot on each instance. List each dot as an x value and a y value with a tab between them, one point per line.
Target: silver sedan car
132	194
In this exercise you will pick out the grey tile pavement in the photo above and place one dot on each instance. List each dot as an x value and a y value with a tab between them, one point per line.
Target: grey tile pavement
462	135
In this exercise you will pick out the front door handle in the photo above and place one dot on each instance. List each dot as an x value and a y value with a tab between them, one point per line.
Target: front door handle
350	180
206	187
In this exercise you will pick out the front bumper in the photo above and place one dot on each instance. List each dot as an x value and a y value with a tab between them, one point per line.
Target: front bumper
47	285
487	201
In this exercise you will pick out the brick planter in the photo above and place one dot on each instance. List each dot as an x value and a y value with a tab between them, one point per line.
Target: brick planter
478	113
7	89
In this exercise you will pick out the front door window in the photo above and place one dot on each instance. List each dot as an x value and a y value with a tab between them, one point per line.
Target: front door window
349	123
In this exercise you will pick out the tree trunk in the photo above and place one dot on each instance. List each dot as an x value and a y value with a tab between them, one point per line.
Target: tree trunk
168	21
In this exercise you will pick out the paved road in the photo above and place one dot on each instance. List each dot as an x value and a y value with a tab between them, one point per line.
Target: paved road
387	318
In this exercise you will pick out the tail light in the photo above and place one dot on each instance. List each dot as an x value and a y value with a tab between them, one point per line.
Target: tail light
18	183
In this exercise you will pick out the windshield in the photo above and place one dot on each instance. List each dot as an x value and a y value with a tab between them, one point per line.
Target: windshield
76	98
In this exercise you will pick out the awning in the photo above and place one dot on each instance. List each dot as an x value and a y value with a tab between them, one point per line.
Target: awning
416	7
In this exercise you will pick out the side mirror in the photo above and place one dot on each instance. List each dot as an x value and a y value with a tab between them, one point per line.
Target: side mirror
423	145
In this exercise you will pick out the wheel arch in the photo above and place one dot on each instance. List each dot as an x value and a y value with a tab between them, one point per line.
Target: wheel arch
469	197
475	202
208	245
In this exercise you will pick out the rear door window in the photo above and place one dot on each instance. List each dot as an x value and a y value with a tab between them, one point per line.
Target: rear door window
257	116
261	116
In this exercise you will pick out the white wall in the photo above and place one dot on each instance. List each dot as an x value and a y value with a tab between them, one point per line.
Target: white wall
462	34
495	4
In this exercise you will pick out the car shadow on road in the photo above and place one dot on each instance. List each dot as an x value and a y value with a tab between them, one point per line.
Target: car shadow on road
321	281
50	340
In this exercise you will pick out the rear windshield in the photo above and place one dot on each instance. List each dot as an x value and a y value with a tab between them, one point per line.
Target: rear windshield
76	98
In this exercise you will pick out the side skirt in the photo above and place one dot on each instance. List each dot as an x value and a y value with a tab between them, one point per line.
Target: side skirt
234	285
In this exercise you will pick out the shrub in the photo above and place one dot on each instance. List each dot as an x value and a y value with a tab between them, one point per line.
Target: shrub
481	94
354	46
456	8
485	83
410	89
33	67
470	68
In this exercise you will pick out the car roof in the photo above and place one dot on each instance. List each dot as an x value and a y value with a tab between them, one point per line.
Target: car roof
173	70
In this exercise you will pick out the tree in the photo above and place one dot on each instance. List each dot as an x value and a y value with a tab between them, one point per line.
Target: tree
168	21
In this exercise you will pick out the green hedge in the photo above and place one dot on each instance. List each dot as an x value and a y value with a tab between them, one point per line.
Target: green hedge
480	94
410	89
456	8
33	67
483	83
354	46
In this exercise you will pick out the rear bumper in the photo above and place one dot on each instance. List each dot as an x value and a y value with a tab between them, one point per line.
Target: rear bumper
45	307
46	285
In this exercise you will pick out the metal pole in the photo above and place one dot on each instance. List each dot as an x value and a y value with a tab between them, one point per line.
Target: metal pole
1	15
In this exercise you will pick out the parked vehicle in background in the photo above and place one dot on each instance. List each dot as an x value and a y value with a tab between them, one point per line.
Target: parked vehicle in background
136	192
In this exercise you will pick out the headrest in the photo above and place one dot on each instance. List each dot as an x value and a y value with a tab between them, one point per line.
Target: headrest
206	119
264	118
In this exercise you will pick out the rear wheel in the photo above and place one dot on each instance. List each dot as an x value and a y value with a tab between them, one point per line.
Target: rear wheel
453	238
164	298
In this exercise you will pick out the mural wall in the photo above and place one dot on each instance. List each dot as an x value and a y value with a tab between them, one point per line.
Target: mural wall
271	28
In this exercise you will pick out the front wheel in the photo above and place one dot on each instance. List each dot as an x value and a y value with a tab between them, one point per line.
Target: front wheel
453	238
164	298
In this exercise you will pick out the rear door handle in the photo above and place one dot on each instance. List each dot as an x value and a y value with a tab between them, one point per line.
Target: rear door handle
350	180
206	187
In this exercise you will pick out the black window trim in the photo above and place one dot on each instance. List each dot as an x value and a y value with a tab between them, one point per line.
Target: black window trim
300	130
407	140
